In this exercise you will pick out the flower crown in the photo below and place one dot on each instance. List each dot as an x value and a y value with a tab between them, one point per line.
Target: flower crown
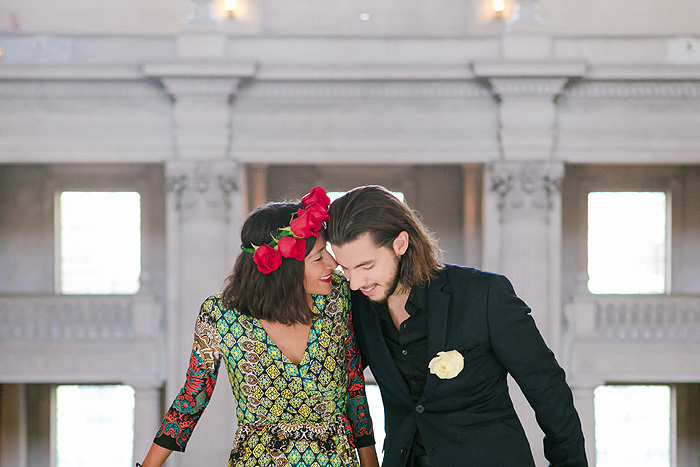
291	241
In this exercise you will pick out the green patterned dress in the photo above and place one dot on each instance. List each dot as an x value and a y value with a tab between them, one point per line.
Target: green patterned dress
311	414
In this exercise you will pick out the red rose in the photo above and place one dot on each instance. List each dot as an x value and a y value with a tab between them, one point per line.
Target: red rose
290	247
318	212
305	225
267	258
317	195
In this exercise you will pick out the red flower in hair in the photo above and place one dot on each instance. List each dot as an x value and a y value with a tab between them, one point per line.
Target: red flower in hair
317	195
305	225
267	259
318	212
290	247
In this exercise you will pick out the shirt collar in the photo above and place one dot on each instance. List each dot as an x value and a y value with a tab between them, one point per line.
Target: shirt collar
417	301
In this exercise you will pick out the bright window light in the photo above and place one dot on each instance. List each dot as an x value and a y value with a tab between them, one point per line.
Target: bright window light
100	242
633	426
376	410
94	426
627	242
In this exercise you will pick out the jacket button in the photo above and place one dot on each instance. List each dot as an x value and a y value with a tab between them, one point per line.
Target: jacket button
420	408
403	452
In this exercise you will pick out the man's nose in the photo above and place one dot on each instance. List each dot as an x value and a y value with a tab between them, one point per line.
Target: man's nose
354	279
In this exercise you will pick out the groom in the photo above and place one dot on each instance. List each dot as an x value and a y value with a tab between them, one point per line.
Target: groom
440	340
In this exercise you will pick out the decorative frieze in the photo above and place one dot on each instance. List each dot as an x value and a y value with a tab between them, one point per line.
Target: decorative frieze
517	86
525	187
371	90
78	90
663	90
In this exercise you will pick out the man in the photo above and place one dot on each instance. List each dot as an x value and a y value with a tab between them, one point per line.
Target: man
440	340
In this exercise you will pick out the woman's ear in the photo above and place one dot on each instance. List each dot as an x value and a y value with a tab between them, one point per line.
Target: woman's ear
400	244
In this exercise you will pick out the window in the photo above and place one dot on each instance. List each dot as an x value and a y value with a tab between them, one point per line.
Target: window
627	242
633	426
99	242
94	426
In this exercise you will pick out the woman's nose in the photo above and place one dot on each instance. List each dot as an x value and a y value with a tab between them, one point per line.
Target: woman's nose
330	262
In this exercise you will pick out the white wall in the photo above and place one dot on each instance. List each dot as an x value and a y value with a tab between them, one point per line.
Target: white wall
389	17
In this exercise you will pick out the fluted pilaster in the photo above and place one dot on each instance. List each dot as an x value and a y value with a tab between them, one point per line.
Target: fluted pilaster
205	211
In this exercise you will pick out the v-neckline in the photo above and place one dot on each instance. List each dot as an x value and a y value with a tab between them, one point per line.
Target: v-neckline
305	356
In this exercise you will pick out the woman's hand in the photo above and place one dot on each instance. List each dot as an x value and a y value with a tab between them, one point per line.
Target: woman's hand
368	457
156	456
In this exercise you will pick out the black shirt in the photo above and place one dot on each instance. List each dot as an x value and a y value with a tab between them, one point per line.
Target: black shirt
408	346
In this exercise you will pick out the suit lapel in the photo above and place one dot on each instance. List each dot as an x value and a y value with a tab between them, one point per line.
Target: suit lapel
438	305
383	366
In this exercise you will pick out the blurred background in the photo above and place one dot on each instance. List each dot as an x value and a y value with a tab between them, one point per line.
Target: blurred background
554	141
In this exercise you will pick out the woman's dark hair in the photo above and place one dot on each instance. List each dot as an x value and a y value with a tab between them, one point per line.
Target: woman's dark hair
280	295
375	210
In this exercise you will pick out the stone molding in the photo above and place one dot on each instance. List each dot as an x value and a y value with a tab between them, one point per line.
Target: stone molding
353	90
634	90
549	87
375	73
529	68
525	186
70	72
202	185
529	77
199	69
643	72
199	87
77	90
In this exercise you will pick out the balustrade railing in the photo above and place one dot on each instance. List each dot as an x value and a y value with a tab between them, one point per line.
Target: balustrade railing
78	317
635	317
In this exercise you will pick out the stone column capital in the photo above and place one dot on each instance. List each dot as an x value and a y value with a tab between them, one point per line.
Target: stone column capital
202	188
527	90
525	188
200	78
202	92
541	77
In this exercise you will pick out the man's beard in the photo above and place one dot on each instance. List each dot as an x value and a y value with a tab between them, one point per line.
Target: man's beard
392	284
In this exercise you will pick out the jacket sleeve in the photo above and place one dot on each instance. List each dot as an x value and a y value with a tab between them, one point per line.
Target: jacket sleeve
182	417
520	348
358	408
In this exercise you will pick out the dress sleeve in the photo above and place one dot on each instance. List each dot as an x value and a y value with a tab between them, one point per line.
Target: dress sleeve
358	408
180	420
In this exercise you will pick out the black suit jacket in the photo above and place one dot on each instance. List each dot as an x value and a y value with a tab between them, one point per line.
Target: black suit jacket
469	420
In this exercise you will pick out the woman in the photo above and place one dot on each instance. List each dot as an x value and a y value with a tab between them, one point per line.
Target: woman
282	326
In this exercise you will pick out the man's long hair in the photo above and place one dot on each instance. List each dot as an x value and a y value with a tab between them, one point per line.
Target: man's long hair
375	210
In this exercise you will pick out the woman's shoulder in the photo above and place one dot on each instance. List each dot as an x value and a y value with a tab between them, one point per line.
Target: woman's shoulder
215	307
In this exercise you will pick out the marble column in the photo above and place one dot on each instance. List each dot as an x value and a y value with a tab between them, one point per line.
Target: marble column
205	211
528	201
522	198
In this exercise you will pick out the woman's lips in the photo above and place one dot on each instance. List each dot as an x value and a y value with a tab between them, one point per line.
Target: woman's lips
326	278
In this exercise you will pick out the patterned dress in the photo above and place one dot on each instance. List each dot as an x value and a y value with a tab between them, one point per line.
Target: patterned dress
310	414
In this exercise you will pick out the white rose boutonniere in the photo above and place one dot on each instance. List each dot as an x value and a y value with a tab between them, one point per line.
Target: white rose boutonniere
447	365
